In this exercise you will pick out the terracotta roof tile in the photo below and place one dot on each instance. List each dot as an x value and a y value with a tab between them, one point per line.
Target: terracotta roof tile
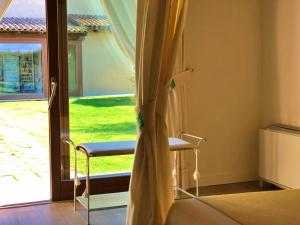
77	24
16	24
73	29
93	22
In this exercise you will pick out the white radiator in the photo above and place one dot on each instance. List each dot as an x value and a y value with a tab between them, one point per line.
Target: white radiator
279	156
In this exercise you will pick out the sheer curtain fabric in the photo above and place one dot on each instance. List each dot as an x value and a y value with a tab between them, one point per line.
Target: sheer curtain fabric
122	15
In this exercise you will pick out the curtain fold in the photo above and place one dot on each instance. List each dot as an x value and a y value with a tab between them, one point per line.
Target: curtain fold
176	116
4	6
159	29
122	15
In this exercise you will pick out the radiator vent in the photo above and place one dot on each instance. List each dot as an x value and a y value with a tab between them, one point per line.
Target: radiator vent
279	155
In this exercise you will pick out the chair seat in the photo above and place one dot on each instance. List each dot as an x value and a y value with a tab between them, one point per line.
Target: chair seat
96	149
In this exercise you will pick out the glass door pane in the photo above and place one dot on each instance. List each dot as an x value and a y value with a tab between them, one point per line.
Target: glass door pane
24	128
101	87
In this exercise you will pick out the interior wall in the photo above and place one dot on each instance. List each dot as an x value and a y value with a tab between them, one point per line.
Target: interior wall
281	55
223	46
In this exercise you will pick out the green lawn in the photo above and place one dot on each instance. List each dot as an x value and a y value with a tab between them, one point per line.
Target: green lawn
103	119
94	119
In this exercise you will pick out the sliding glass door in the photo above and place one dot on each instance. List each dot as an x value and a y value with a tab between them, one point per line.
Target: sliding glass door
95	100
24	124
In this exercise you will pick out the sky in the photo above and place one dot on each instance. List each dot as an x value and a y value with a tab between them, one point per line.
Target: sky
36	8
26	8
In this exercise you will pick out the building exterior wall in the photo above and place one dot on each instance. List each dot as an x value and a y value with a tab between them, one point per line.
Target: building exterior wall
90	7
104	68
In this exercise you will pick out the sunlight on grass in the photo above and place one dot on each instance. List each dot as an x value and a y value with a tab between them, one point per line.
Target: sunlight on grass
100	119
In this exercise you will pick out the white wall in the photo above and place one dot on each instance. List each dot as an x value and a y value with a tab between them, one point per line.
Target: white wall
105	69
223	45
91	7
281	67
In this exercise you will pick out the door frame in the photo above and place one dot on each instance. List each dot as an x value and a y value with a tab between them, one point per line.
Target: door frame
61	183
54	56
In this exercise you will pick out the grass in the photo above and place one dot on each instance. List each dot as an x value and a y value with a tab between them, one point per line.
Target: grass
94	119
100	119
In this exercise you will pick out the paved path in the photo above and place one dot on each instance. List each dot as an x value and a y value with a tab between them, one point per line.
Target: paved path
24	155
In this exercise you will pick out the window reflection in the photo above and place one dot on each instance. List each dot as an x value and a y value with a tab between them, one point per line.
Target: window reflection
21	68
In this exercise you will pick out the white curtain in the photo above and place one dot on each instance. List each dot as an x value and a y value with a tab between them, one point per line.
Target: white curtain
159	29
122	14
4	6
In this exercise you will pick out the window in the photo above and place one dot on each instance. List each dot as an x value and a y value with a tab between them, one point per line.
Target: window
21	69
74	68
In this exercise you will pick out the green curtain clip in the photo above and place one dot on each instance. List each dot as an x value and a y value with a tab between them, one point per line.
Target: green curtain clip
172	84
140	121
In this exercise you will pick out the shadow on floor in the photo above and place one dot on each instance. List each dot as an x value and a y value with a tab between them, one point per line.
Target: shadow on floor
251	186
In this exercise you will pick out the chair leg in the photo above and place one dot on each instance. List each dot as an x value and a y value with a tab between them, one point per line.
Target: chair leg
75	177
88	187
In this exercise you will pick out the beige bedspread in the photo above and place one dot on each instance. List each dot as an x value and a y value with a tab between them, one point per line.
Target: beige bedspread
256	208
195	212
